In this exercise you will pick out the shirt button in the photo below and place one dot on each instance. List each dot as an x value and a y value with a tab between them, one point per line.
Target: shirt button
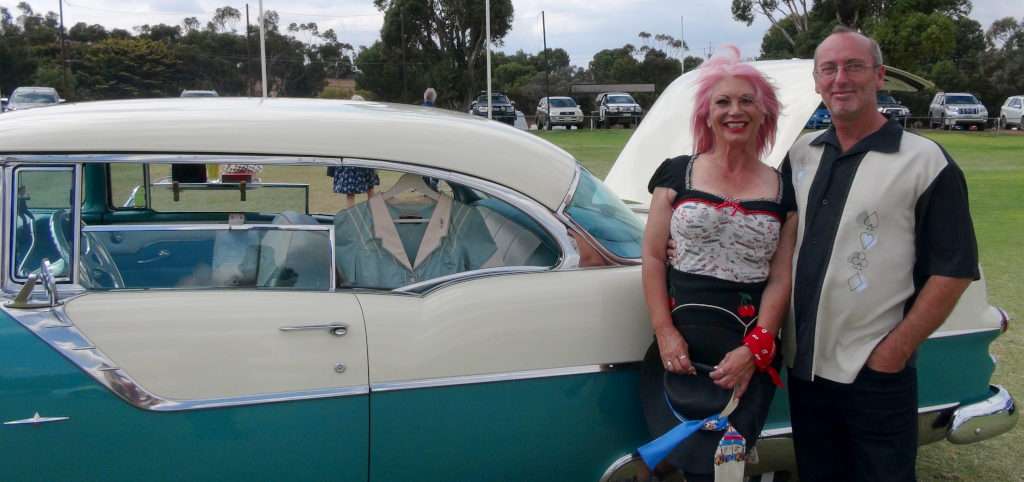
824	202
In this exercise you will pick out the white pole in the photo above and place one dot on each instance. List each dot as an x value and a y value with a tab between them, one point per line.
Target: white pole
263	51
487	14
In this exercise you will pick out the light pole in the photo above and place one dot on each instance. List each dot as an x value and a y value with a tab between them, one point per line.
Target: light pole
487	39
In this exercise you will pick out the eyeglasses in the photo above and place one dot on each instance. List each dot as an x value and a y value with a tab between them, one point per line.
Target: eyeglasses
854	67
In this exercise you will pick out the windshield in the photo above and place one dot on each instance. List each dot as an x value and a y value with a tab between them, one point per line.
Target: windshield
562	103
35	97
886	99
620	99
606	217
495	99
961	99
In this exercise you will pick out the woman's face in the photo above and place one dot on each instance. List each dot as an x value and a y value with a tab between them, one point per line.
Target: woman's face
734	116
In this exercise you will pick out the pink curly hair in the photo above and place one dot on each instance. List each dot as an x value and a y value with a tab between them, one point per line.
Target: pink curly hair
726	63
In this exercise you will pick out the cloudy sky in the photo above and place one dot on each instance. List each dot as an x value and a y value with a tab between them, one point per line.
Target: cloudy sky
581	27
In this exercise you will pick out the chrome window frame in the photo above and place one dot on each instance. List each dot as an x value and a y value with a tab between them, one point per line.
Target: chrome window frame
107	228
564	217
12	282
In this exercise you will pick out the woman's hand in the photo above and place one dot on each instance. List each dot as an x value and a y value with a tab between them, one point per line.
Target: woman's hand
674	351
735	370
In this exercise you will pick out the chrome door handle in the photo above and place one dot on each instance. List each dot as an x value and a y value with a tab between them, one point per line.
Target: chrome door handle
336	329
36	420
163	253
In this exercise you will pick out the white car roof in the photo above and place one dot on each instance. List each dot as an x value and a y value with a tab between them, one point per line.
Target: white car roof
425	136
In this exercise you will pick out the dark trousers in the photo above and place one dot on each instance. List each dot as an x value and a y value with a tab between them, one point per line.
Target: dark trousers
862	431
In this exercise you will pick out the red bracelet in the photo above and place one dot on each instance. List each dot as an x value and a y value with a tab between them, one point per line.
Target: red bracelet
761	344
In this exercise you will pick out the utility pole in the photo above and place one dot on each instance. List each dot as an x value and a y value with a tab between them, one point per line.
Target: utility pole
263	50
401	19
63	53
682	48
547	68
487	42
248	55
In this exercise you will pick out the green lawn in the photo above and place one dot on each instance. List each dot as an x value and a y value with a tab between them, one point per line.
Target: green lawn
994	166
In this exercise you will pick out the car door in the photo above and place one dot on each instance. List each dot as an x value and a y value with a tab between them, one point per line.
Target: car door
517	371
183	383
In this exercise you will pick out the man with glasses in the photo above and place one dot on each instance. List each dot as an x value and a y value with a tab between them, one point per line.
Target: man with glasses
886	247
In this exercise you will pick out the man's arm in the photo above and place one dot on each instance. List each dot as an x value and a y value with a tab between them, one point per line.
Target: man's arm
931	308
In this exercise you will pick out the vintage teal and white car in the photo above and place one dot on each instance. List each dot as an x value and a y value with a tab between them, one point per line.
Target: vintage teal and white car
186	298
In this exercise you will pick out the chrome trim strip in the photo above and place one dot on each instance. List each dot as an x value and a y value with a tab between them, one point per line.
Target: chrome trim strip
115	228
946	334
36	420
431	284
536	211
502	377
169	158
55	328
572	188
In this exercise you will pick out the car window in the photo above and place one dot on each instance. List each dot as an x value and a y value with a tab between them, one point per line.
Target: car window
620	99
1015	103
43	220
128	186
35	97
562	103
495	99
605	217
426	229
961	99
886	99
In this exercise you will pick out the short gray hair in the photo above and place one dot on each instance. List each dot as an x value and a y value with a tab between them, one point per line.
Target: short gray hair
876	50
430	94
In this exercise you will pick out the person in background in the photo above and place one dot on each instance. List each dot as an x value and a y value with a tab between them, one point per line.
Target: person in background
429	97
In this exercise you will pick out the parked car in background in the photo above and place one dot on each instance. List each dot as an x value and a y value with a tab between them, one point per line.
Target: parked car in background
617	108
199	93
820	119
504	109
24	98
1012	112
957	109
563	112
236	331
892	108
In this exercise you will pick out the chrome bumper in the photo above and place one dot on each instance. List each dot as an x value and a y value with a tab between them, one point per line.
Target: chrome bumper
985	419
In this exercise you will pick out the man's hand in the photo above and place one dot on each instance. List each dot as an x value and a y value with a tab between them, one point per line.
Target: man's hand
888	357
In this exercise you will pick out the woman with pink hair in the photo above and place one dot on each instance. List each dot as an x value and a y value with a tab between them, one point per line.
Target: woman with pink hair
717	305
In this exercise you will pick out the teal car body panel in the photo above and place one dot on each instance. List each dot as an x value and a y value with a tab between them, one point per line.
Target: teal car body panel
566	428
108	439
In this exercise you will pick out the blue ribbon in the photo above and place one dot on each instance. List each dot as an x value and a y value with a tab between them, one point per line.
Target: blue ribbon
656	450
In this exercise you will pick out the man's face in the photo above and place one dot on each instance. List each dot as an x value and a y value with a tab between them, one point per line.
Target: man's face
847	78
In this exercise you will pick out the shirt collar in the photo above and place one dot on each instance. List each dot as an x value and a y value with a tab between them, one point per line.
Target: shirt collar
886	139
384	229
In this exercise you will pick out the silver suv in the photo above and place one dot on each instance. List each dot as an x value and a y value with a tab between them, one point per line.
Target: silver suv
617	108
957	109
563	112
1012	112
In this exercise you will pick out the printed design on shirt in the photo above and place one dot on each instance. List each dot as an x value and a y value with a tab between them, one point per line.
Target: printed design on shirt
724	240
858	260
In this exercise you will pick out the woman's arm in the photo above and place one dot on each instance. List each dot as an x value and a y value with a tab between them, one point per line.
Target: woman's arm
674	353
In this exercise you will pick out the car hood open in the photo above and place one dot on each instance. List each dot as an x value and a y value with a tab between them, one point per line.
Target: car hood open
665	131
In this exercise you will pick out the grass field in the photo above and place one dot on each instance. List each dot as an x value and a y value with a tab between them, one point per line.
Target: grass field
994	166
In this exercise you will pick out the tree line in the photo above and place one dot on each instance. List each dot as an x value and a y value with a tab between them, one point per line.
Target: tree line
441	44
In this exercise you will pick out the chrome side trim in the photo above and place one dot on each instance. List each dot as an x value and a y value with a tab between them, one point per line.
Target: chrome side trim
502	377
36	420
570	257
430	284
169	158
106	228
947	334
55	328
